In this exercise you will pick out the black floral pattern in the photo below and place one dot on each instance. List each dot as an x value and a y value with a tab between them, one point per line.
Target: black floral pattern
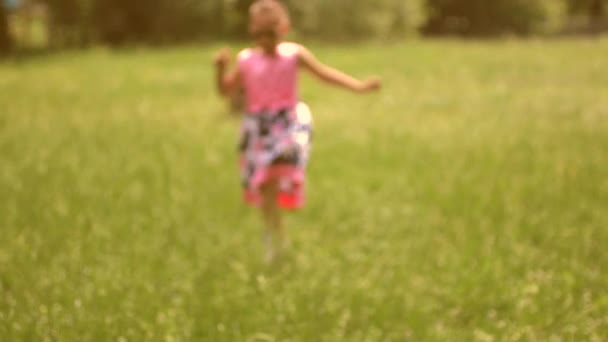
273	138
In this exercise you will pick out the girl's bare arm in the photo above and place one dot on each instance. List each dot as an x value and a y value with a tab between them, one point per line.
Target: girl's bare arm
334	76
226	82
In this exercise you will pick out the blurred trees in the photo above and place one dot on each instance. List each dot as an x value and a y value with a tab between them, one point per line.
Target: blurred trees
5	37
69	22
156	21
482	17
116	22
594	9
357	19
591	12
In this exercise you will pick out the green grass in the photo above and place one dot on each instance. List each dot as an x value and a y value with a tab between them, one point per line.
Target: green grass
468	201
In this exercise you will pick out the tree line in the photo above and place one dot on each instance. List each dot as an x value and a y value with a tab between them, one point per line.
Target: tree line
117	22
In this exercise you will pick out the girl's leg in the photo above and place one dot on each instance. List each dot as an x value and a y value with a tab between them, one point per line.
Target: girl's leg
275	232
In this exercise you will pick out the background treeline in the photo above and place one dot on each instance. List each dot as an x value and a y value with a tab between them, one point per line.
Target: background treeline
81	22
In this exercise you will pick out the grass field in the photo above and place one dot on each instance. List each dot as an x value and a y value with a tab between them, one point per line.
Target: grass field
468	201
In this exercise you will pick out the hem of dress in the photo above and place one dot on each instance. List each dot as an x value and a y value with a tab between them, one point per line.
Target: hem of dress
292	200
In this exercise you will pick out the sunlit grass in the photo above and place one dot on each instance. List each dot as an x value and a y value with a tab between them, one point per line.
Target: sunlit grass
466	201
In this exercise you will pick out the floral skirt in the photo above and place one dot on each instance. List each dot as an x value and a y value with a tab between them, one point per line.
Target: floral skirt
275	146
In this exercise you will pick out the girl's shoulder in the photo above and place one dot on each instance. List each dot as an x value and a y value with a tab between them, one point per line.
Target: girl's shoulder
245	53
285	49
289	49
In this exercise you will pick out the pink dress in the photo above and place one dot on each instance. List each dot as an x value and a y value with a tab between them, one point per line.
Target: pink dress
276	129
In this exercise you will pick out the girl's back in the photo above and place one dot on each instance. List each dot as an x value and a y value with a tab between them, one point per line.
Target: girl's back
270	81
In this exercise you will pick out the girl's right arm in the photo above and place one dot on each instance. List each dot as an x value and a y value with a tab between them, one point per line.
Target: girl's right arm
226	82
334	76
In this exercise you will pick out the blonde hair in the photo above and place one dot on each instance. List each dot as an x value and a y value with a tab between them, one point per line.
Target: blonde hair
273	8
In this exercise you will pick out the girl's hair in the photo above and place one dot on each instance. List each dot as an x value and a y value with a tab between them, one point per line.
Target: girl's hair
271	7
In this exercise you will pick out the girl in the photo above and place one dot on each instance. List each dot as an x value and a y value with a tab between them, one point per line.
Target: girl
276	130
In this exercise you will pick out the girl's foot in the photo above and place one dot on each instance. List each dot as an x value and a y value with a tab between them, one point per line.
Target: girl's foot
272	251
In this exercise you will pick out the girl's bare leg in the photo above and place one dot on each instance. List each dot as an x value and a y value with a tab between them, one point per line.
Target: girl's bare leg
275	236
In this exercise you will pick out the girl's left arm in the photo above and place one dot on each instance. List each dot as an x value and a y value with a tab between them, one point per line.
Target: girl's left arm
334	76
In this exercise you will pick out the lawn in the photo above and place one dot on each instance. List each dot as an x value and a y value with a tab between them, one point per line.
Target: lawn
467	201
